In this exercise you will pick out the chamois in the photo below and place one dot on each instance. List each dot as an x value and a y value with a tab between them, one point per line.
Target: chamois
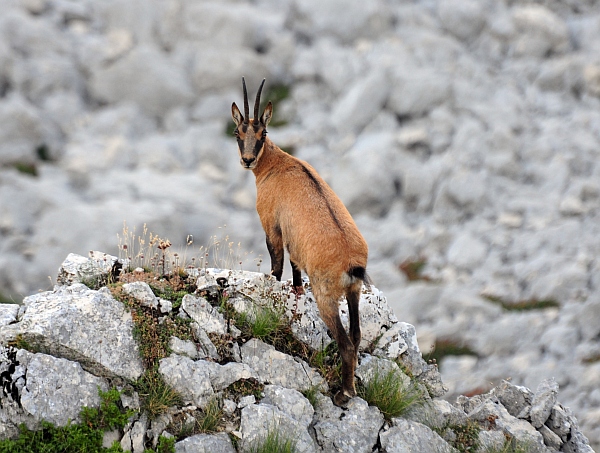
299	212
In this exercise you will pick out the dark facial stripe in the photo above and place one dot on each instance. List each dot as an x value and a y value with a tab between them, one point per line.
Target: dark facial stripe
317	185
257	146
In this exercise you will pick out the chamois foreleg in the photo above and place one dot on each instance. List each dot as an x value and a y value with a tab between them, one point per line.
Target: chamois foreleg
329	309
275	248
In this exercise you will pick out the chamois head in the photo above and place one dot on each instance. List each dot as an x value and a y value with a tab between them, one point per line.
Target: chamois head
251	133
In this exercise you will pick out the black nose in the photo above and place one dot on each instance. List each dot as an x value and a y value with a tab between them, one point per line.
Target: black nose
248	160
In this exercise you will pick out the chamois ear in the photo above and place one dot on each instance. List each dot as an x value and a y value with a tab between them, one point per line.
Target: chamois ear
237	116
267	114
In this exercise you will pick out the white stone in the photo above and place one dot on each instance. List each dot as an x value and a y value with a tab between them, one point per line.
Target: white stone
361	102
142	292
183	347
332	428
467	252
163	86
462	18
8	313
57	388
540	31
338	18
267	362
407	435
205	443
207	317
367	162
258	419
81	324
591	75
289	401
417	90
21	130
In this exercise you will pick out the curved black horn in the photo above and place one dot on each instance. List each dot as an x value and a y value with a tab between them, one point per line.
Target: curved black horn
246	106
257	103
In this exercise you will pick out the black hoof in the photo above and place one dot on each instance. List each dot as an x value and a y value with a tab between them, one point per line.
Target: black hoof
341	399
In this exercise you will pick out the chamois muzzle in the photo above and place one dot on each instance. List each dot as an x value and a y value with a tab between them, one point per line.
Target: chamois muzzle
248	161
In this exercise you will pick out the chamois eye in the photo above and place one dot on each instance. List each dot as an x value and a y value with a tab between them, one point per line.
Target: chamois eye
236	132
264	133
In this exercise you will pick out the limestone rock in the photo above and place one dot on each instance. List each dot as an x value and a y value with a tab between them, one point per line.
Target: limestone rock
521	430
417	90
8	314
21	131
206	347
332	430
205	443
464	19
289	401
120	81
407	435
543	401
80	324
516	399
259	419
142	292
361	102
267	362
371	366
183	347
41	387
197	381
207	317
540	31
92	270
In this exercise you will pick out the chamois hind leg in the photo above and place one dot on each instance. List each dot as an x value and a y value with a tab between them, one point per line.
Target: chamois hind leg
328	304
353	298
275	247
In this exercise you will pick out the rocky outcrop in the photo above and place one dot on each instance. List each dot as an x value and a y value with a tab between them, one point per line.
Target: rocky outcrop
53	385
460	132
79	324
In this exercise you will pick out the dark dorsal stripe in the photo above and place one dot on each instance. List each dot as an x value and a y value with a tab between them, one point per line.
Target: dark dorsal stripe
317	185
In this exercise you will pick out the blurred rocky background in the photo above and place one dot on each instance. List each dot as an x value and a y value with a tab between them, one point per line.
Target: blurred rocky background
463	135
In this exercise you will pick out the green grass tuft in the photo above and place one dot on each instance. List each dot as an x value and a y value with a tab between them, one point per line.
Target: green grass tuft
266	322
109	415
76	438
443	348
157	396
273	442
311	394
164	445
211	416
524	305
26	168
387	391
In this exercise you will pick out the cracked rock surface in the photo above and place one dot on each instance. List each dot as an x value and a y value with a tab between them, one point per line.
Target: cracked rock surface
287	394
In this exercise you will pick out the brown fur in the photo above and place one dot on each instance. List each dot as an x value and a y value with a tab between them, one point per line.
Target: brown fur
301	214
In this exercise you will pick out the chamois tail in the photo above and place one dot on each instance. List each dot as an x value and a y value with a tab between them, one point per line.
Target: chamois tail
360	273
